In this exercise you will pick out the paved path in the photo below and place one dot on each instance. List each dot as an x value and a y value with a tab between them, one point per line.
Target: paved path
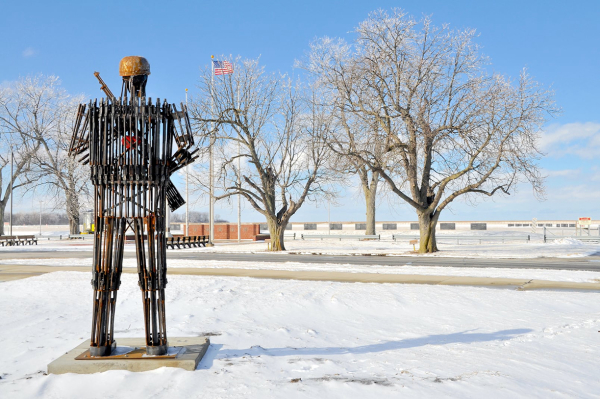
589	263
14	272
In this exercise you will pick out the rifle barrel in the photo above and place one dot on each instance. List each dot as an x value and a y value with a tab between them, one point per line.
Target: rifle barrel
104	87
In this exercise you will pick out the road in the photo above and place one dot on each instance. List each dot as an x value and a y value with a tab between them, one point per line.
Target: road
589	263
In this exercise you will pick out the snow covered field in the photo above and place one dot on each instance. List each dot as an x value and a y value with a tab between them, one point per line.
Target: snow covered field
292	339
516	249
307	339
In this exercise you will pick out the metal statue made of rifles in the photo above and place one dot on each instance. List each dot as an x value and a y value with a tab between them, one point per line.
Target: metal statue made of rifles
133	146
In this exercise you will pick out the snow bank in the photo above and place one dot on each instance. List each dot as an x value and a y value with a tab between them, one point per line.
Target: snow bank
566	241
511	250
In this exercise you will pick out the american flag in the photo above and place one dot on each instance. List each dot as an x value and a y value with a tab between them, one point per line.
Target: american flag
222	67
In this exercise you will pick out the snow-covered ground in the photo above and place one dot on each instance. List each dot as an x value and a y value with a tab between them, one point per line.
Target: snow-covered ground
515	249
299	339
563	248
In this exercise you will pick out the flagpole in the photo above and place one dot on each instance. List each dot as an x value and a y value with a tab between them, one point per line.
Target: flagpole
239	177
210	150
187	189
12	156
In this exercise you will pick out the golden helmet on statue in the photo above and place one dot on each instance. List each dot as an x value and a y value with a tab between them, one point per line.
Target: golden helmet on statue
134	65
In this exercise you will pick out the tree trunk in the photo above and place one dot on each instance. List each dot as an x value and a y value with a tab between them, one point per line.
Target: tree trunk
370	202
2	208
74	225
73	213
276	230
369	187
427	224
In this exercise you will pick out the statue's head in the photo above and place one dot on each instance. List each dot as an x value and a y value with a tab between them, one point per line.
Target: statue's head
135	71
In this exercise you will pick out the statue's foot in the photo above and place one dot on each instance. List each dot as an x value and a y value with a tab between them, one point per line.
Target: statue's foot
103	350
158	350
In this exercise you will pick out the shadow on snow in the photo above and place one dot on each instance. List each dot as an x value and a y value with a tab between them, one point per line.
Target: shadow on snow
215	351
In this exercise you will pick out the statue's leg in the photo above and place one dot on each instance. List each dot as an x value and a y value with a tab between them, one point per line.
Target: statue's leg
109	239
152	275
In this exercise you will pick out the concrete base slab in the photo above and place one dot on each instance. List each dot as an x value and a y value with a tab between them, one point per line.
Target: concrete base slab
184	353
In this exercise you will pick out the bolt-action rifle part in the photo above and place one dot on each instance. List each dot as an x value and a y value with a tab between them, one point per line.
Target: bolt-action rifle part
104	87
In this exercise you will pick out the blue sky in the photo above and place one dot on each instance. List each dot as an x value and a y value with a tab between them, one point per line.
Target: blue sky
557	41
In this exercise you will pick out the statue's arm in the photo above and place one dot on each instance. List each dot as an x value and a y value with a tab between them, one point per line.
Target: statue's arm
183	154
184	139
80	143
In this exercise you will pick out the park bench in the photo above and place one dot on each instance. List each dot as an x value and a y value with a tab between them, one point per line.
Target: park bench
8	241
201	241
267	236
187	241
173	241
30	239
194	241
341	236
80	236
261	237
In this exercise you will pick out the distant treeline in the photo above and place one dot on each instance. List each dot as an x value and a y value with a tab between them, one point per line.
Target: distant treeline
195	217
33	218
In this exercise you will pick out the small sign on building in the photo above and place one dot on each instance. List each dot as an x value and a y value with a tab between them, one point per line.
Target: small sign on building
584	222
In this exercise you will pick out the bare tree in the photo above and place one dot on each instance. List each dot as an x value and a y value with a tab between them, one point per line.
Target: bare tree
15	141
350	131
46	117
449	128
279	135
66	181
